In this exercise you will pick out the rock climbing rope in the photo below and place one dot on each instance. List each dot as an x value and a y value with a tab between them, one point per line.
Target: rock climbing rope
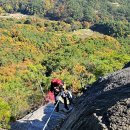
50	116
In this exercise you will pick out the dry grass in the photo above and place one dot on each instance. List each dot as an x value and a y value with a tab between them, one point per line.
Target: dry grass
85	33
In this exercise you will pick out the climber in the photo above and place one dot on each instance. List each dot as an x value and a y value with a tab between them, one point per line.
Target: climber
69	95
58	87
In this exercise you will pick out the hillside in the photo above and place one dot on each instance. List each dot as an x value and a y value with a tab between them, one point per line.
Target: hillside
77	41
35	50
105	106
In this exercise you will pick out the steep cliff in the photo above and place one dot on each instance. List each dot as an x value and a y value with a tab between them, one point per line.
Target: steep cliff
105	106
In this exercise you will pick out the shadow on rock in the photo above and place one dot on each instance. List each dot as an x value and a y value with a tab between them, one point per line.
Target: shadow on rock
37	119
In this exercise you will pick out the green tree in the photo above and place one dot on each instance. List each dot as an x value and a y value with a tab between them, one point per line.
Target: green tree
5	114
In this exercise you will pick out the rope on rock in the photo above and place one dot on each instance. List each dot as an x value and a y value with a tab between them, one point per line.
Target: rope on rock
50	116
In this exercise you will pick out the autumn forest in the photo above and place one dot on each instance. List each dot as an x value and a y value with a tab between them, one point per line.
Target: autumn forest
77	41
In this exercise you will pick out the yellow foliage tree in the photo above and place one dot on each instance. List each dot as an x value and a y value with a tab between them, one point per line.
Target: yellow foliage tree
49	4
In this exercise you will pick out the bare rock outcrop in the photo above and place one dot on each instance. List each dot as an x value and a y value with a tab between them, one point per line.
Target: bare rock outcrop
105	106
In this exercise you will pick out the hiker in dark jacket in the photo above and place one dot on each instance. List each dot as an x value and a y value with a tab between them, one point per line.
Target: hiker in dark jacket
59	90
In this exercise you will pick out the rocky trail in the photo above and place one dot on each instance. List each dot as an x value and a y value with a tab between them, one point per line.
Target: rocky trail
15	15
38	119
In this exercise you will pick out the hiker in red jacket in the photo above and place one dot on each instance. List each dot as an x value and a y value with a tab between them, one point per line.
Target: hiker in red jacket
59	90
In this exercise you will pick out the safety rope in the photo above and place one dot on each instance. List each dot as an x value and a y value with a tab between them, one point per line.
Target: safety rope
50	116
33	101
44	99
41	90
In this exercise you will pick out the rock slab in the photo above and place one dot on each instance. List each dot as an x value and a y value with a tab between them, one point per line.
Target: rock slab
38	119
104	106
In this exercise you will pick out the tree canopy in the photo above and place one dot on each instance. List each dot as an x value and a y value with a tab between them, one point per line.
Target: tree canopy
91	11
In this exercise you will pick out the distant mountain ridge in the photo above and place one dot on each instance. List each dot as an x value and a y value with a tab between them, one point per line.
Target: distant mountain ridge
91	11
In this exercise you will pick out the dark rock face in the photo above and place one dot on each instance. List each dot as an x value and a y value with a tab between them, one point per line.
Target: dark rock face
127	65
105	106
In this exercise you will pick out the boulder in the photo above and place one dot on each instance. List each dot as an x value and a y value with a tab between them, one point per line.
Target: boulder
104	106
